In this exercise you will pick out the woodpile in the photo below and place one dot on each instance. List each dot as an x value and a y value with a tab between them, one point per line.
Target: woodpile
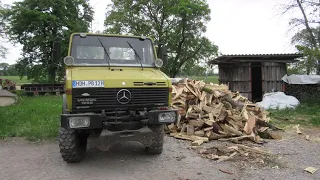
212	112
303	92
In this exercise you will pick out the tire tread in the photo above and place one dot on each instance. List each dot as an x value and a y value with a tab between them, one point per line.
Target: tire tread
72	145
157	140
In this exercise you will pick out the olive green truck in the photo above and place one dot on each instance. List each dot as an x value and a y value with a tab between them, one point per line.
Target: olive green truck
114	92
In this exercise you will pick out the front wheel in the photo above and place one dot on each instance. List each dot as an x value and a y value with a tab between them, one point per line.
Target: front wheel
72	145
157	140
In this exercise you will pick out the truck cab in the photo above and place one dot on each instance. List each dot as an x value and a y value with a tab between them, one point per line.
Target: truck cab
114	91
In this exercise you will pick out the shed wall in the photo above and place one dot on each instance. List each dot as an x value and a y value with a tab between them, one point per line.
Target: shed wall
238	77
272	74
242	79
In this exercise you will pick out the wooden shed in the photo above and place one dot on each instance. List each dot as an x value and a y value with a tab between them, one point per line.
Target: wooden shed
254	74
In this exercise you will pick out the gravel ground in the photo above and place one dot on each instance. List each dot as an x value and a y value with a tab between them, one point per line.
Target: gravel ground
20	159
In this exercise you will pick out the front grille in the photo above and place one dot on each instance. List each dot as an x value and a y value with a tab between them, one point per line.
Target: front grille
97	99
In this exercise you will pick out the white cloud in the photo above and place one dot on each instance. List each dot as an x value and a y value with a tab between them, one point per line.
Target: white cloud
248	26
236	26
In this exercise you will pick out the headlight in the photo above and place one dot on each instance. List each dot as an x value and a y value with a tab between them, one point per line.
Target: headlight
68	60
167	117
78	122
158	63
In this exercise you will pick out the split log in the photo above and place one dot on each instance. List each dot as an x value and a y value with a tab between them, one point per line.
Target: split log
262	123
199	133
250	124
225	127
216	128
211	117
217	110
208	129
232	102
209	122
222	115
227	158
235	125
197	142
183	129
193	116
212	87
203	96
190	138
213	136
207	109
196	123
235	139
190	129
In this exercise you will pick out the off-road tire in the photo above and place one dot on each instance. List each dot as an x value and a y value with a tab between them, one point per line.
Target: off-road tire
157	140
72	145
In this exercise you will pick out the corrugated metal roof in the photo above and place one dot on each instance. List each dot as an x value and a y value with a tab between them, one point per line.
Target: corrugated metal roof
289	57
274	54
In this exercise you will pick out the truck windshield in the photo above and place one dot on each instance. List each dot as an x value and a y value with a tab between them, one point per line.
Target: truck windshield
89	51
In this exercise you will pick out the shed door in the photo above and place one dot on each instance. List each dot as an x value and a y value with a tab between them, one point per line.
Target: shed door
272	74
256	81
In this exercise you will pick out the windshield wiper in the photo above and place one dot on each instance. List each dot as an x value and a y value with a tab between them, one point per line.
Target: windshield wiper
135	52
108	61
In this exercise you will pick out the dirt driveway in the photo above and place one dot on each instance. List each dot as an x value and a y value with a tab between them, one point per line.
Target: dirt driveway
21	160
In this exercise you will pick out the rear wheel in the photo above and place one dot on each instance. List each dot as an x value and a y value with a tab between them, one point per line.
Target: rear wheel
157	140
72	145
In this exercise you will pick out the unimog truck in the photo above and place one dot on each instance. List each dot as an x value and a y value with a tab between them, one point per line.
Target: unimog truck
114	92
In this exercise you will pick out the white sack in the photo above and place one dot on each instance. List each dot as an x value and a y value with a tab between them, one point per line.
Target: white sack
301	79
176	80
278	100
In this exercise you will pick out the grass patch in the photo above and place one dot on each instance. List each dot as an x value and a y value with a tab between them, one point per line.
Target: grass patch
17	79
32	117
306	114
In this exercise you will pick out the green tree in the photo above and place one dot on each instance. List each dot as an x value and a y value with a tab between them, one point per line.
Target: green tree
192	70
11	71
8	70
180	24
4	66
307	37
3	49
37	24
311	59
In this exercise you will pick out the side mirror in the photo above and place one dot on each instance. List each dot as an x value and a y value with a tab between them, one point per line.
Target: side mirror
56	52
163	55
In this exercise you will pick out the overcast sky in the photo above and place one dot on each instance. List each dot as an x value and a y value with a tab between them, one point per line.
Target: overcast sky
236	26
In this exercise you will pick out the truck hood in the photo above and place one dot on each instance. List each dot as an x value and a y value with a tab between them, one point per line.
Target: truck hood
120	77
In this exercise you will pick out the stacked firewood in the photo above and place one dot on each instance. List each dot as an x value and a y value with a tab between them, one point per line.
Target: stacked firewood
303	92
213	112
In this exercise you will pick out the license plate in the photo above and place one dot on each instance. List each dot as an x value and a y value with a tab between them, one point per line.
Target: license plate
84	84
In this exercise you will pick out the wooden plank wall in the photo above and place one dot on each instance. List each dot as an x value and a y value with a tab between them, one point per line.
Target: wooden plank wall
242	79
272	74
237	77
225	74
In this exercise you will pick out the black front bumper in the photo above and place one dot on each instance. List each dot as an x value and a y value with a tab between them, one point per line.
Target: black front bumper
97	121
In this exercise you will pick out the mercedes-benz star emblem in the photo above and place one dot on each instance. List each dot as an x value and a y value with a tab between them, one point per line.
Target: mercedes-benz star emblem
124	96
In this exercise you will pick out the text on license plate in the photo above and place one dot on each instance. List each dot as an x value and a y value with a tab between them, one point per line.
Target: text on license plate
93	83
